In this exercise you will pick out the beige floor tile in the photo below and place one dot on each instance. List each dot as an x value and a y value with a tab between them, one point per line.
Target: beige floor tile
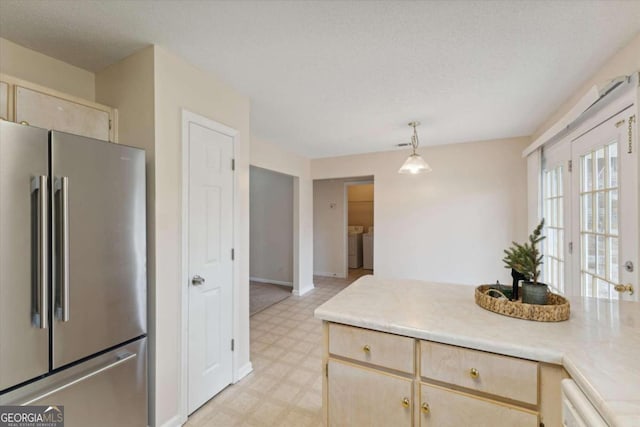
285	387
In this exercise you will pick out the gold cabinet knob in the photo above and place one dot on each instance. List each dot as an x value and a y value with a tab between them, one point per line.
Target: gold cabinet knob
366	348
24	122
425	408
473	373
406	402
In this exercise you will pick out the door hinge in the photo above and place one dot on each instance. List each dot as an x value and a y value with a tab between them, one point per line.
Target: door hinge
632	119
109	124
326	370
233	344
233	254
233	164
570	166
570	247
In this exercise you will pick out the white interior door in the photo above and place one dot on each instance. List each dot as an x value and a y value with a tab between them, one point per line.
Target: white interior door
210	239
605	210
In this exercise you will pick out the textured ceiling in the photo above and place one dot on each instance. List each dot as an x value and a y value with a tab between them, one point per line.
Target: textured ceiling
331	78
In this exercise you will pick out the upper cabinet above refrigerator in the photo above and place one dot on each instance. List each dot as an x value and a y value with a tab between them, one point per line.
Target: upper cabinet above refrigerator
50	112
28	103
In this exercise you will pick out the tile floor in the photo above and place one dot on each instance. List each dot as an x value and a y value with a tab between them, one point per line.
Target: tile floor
285	386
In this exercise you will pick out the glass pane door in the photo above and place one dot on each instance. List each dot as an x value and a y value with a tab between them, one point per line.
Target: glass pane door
599	222
553	246
605	229
556	207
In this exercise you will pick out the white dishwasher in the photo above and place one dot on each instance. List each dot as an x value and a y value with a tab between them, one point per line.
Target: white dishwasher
577	411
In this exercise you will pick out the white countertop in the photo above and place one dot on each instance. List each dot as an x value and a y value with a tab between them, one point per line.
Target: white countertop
599	345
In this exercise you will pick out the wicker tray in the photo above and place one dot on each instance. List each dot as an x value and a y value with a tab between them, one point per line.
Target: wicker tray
556	310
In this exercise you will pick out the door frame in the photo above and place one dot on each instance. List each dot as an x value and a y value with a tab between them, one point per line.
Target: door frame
187	117
345	243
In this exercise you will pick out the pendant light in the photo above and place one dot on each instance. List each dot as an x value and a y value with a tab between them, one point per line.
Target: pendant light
415	163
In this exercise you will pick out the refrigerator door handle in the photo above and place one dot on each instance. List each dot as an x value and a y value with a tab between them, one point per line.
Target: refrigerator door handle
40	186
120	359
62	187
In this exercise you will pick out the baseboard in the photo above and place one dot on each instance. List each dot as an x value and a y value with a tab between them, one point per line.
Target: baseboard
243	371
329	274
304	291
274	282
174	422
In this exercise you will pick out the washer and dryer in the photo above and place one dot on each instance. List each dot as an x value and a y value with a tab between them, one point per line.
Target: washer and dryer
355	245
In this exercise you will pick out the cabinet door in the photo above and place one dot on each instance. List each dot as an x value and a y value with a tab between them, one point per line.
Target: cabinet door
365	397
50	112
442	407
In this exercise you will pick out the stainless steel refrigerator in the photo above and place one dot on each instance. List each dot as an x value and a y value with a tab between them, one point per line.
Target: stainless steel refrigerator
73	283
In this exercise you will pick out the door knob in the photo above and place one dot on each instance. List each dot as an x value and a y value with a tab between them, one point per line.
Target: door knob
624	288
197	280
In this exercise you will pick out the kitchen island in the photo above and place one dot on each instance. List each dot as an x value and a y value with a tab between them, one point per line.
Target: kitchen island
431	340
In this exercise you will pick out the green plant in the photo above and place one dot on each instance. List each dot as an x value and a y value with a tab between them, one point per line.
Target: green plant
526	258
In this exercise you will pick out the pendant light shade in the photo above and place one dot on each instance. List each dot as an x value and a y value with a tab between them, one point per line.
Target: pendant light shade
415	163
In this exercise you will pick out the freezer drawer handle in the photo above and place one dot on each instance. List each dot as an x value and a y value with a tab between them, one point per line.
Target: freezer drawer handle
120	359
40	185
62	187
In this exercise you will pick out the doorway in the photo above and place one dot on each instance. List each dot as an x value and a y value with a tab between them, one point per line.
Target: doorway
271	238
343	227
359	234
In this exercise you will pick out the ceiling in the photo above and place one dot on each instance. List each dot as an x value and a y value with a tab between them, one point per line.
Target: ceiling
330	78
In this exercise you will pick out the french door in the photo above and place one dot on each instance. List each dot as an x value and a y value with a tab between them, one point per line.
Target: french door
604	217
590	205
556	205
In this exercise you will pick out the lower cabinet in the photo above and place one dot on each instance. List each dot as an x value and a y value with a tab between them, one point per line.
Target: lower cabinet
376	378
444	407
360	396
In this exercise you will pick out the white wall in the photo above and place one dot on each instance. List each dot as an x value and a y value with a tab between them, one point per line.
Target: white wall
151	88
129	86
623	62
271	227
35	67
329	228
452	224
269	156
180	85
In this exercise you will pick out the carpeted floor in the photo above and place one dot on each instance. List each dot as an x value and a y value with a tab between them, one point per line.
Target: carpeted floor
264	295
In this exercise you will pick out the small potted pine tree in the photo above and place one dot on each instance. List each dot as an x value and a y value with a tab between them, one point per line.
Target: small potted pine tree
527	259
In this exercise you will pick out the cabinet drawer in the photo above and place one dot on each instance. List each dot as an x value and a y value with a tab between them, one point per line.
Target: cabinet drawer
378	348
504	376
443	407
359	396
